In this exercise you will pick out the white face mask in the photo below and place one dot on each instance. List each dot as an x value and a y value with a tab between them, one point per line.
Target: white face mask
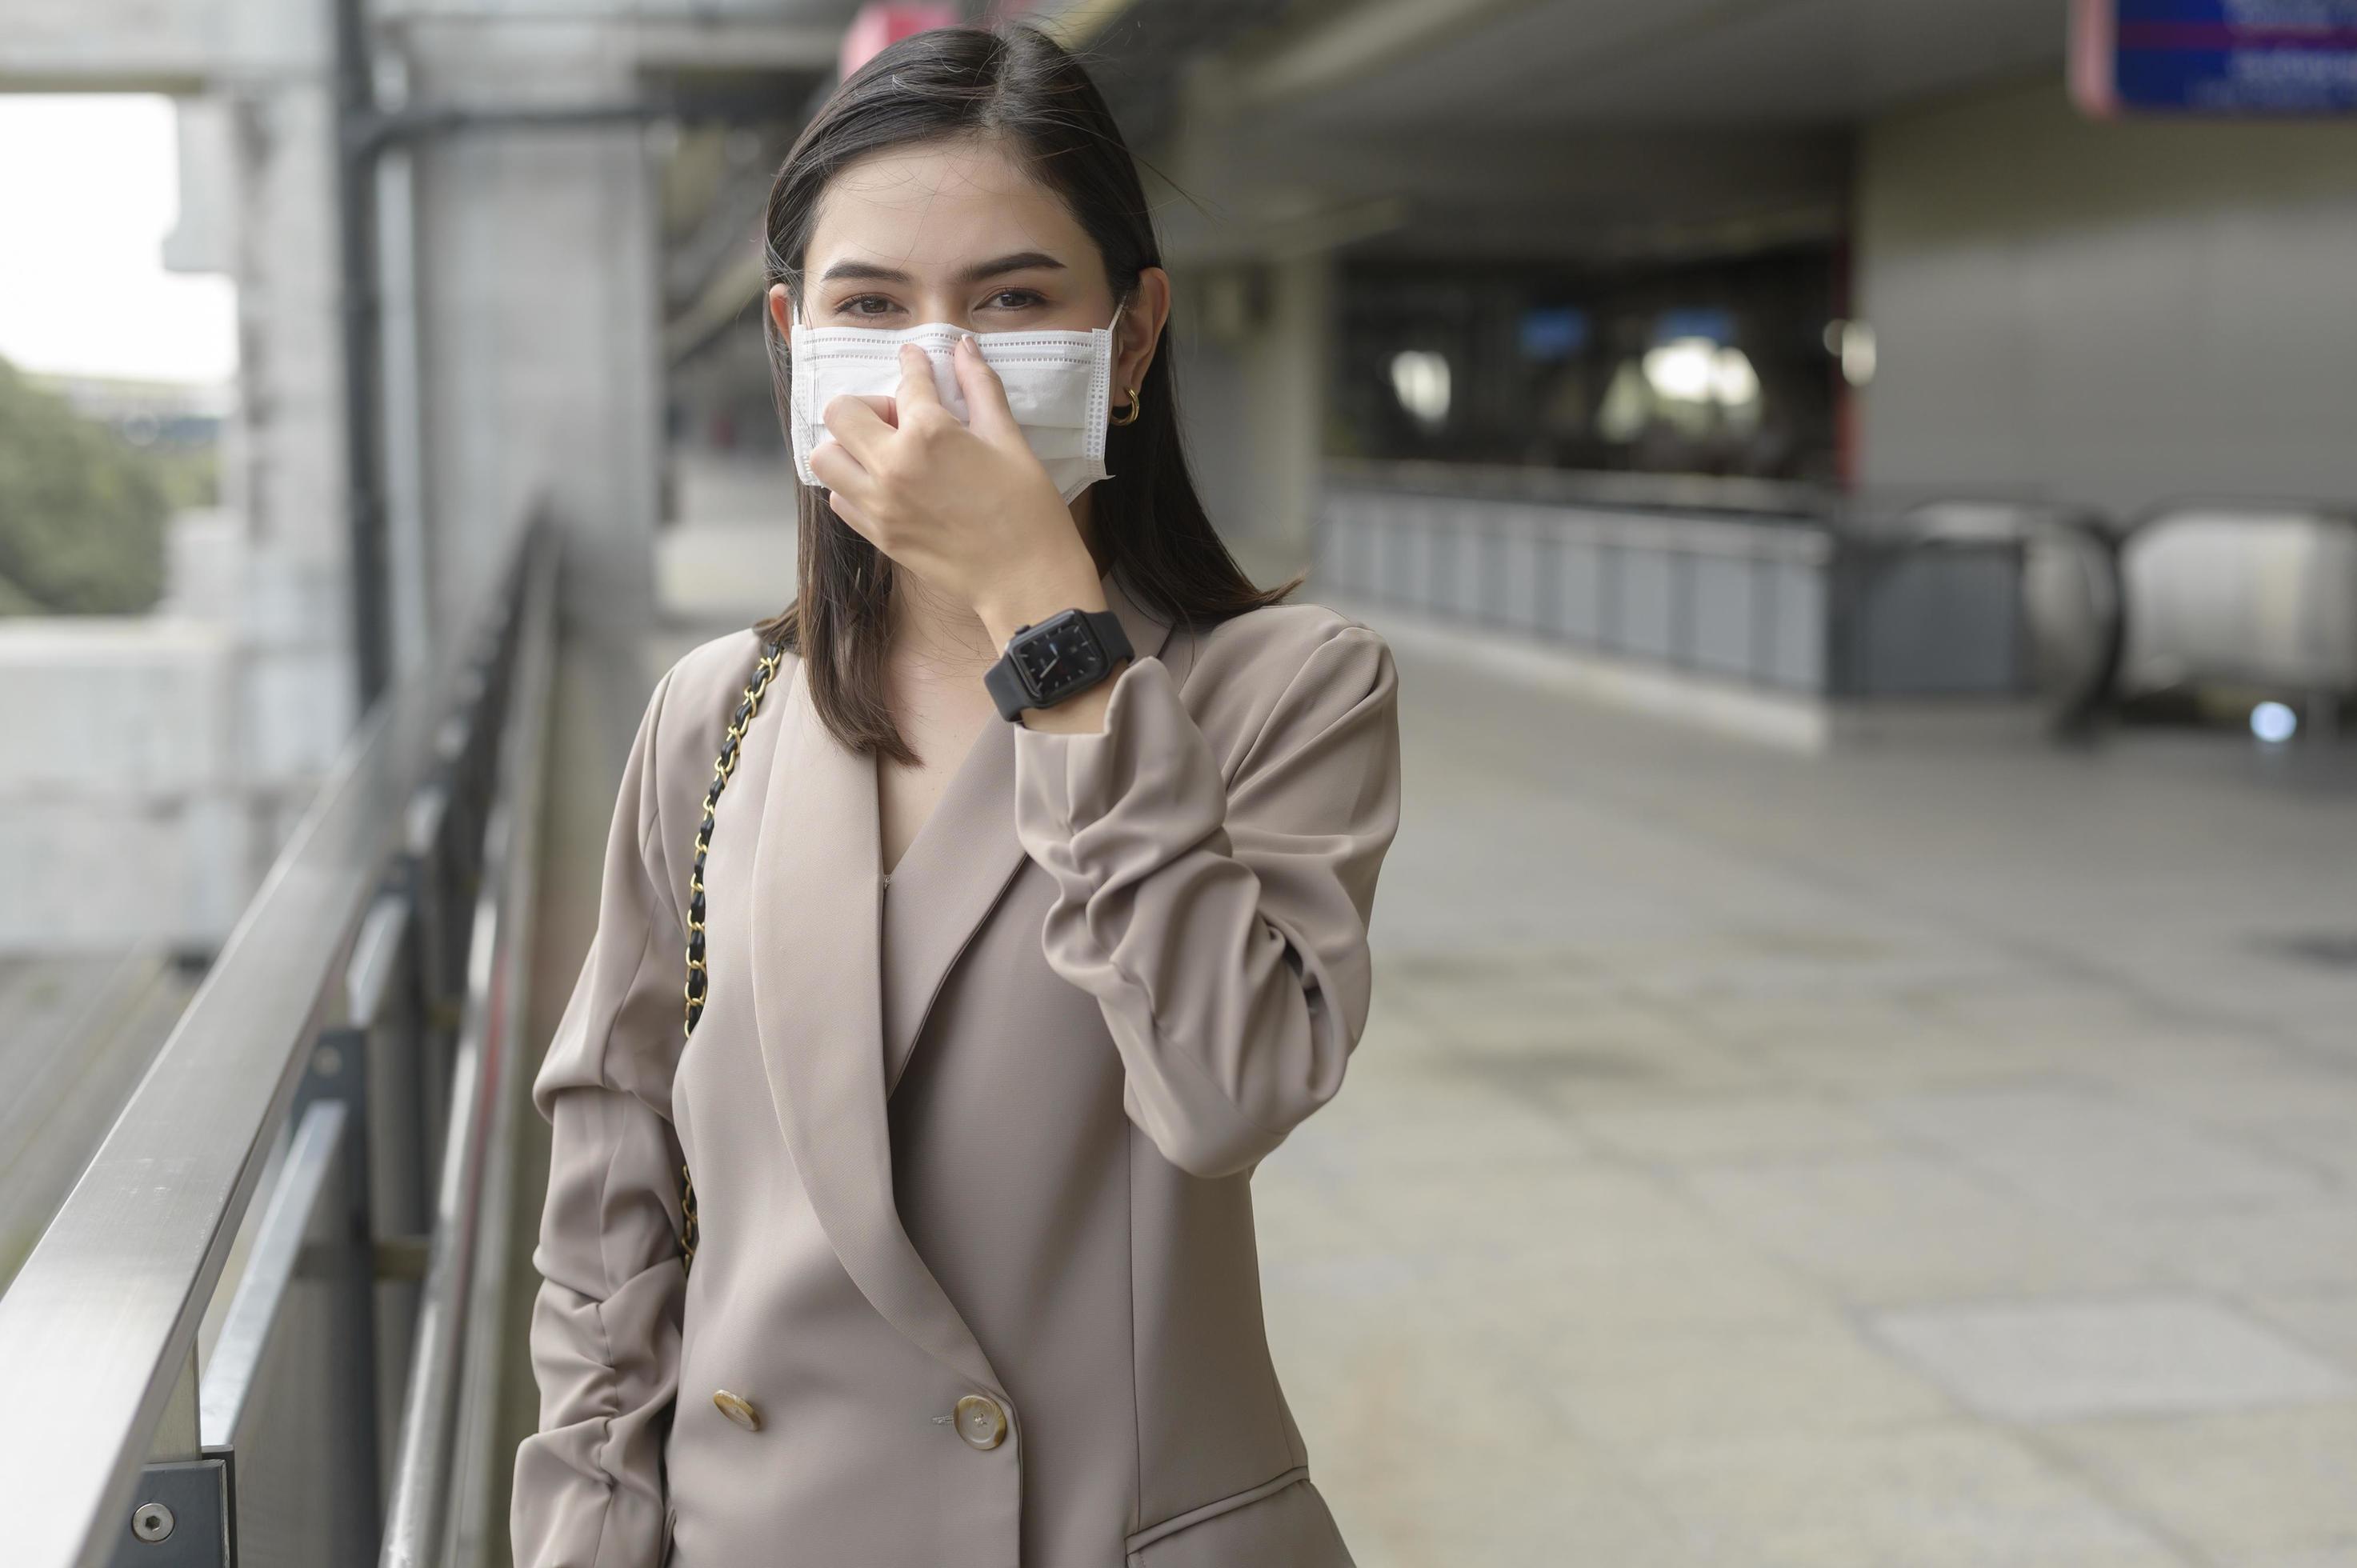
1058	385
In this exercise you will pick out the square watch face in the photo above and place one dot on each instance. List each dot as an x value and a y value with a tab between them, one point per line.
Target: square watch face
1059	653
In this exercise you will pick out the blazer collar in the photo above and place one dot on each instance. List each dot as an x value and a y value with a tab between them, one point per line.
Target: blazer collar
847	976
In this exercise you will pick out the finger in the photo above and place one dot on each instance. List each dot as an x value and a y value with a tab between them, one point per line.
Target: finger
917	389
855	421
849	511
986	395
836	467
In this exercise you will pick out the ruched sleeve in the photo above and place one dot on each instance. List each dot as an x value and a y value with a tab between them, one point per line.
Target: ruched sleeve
1218	914
589	1489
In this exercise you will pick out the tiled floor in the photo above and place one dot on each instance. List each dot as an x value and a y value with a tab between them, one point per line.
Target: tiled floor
1900	1158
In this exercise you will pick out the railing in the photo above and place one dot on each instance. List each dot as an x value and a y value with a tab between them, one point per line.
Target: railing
2072	606
1788	600
286	1131
1794	589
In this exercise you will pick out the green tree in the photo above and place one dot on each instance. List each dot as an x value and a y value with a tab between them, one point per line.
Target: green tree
82	515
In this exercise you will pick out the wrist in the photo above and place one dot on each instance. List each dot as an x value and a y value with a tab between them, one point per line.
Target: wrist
1033	596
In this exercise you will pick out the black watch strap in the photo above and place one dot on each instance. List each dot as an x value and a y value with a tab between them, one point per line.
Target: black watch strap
1007	688
1110	637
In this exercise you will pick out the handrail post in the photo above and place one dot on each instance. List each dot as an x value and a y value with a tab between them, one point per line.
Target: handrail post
469	1218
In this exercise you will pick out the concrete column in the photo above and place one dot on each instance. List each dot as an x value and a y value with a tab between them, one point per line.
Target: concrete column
297	619
257	611
1285	377
539	372
1254	341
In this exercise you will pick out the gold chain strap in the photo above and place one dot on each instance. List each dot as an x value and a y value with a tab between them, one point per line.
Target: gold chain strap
754	689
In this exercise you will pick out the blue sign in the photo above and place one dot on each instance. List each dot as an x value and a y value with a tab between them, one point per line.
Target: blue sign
2214	56
1694	321
1553	332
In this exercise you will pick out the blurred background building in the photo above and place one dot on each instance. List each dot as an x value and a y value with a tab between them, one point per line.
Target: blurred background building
1865	494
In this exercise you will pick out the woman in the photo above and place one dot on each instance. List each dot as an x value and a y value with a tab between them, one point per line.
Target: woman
993	1019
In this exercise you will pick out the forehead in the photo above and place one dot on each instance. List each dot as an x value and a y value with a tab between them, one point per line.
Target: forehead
937	205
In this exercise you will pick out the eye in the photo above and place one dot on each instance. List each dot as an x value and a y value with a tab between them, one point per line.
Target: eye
1015	299
864	305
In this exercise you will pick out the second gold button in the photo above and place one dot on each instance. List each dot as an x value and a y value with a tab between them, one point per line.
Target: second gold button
738	1409
980	1420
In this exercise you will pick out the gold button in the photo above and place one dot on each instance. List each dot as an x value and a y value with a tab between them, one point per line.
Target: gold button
737	1409
980	1420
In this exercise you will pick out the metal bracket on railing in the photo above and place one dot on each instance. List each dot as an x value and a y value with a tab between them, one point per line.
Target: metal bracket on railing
339	1071
180	1518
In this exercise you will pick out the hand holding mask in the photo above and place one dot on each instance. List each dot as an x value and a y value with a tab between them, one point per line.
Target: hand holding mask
1057	387
967	479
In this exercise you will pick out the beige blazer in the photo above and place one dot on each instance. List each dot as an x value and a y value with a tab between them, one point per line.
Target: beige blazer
975	1280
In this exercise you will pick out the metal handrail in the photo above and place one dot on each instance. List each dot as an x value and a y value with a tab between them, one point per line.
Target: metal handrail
1857	540
1752	500
470	1207
99	1331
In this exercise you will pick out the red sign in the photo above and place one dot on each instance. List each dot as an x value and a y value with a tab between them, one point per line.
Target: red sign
877	28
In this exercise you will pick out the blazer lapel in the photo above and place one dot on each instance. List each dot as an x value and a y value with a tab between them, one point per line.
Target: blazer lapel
843	978
816	998
952	873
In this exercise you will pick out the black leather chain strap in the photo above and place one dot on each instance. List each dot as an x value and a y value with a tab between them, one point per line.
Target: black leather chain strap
697	976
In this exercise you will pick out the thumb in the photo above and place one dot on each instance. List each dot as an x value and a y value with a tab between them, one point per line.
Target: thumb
987	413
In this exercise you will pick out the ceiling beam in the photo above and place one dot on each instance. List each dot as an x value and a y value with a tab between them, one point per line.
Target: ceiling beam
1357	42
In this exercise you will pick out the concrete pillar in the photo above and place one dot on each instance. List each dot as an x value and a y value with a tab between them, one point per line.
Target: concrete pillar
291	484
1285	377
1254	341
538	354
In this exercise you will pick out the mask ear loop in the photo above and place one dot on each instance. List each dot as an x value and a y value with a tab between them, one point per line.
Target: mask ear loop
1114	331
804	384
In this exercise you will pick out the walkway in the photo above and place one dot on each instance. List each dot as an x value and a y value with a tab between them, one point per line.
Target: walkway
1907	1159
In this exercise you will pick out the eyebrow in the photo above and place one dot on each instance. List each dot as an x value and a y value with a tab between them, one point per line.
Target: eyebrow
1021	261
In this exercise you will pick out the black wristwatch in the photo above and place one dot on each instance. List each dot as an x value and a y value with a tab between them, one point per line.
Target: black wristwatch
1049	660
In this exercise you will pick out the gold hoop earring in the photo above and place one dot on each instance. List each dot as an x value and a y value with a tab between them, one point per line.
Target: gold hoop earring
1131	417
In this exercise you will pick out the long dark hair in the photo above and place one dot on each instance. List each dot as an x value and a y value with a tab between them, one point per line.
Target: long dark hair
1018	84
